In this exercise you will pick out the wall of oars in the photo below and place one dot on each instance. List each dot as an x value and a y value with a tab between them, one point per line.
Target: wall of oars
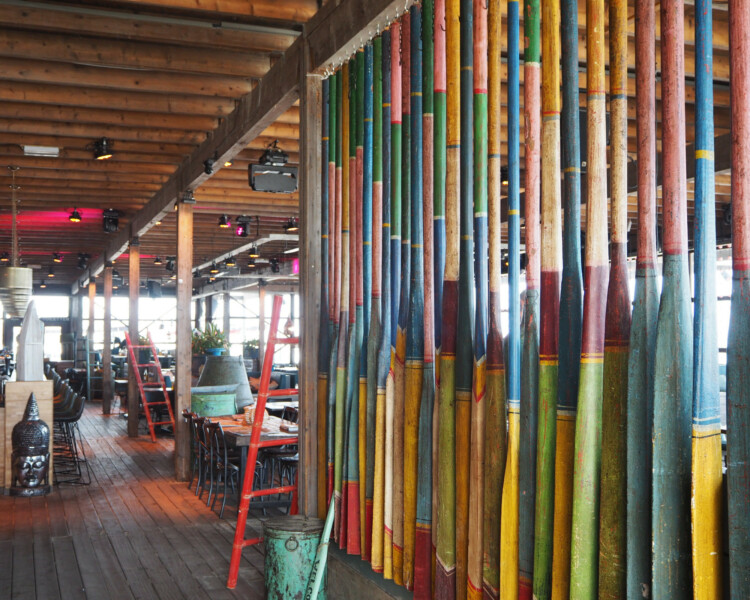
582	457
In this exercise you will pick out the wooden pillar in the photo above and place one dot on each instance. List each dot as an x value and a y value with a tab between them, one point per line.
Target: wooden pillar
311	105
107	382
76	316
227	324
92	298
184	338
134	286
198	312
261	322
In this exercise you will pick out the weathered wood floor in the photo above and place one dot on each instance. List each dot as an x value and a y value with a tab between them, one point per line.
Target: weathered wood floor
133	533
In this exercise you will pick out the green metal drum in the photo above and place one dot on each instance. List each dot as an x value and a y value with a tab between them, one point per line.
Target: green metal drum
214	401
291	543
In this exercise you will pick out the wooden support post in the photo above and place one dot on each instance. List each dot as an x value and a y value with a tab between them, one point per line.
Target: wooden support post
311	103
107	381
92	298
184	340
76	316
261	322
198	312
227	325
134	286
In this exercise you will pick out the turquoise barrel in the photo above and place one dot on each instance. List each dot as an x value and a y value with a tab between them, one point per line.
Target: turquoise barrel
213	401
291	543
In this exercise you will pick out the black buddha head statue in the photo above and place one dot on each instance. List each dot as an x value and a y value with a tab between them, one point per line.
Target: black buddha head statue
30	459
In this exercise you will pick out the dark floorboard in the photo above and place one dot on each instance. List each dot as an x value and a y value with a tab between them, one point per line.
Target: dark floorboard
134	533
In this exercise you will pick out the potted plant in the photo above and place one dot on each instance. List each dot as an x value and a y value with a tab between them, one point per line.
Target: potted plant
211	341
251	349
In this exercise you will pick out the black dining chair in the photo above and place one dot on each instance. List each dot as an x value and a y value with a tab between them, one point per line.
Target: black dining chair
224	467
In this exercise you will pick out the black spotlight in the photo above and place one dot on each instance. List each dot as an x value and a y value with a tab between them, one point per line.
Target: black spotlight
214	269
224	222
157	261
230	262
292	225
75	216
251	263
57	257
243	226
272	173
4	257
110	220
254	252
83	261
275	267
102	149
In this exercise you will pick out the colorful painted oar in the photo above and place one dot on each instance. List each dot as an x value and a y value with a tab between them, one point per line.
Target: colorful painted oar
350	501
390	390
494	415
403	308
585	524
509	505
464	345
475	551
423	533
372	252
530	351
415	316
617	325
551	262
673	380
707	503
342	158
571	305
334	245
445	564
645	310
439	158
326	325
738	346
381	193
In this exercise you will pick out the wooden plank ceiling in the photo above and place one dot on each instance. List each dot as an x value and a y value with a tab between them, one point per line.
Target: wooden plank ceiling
156	77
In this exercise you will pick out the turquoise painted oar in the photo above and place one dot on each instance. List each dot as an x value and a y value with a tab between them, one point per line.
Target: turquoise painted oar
673	381
645	311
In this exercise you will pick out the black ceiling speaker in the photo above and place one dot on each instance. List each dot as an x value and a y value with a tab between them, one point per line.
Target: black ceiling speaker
110	220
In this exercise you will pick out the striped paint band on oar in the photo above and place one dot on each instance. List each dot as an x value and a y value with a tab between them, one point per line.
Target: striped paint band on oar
645	310
423	534
464	339
617	326
390	390
342	158
415	317
445	562
351	476
509	504
673	379
439	158
382	191
551	262
571	305
530	352
585	524
334	238
706	498
403	309
738	345
372	253
495	405
475	549
326	325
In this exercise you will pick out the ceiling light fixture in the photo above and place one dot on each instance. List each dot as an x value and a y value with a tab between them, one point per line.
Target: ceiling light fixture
243	226
42	285
102	149
41	151
157	261
83	261
275	267
214	269
251	263
230	262
224	222
50	272
75	216
292	225
157	223
228	163
4	257
57	257
110	220
254	252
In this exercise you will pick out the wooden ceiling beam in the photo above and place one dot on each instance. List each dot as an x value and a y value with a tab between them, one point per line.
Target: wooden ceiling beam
40	71
100	52
81	21
93	166
77	143
82	96
107	116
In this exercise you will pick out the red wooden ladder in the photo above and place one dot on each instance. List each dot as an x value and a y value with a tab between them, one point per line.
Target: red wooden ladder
144	387
248	493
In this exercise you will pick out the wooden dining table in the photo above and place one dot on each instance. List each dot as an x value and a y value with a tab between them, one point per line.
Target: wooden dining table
237	435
